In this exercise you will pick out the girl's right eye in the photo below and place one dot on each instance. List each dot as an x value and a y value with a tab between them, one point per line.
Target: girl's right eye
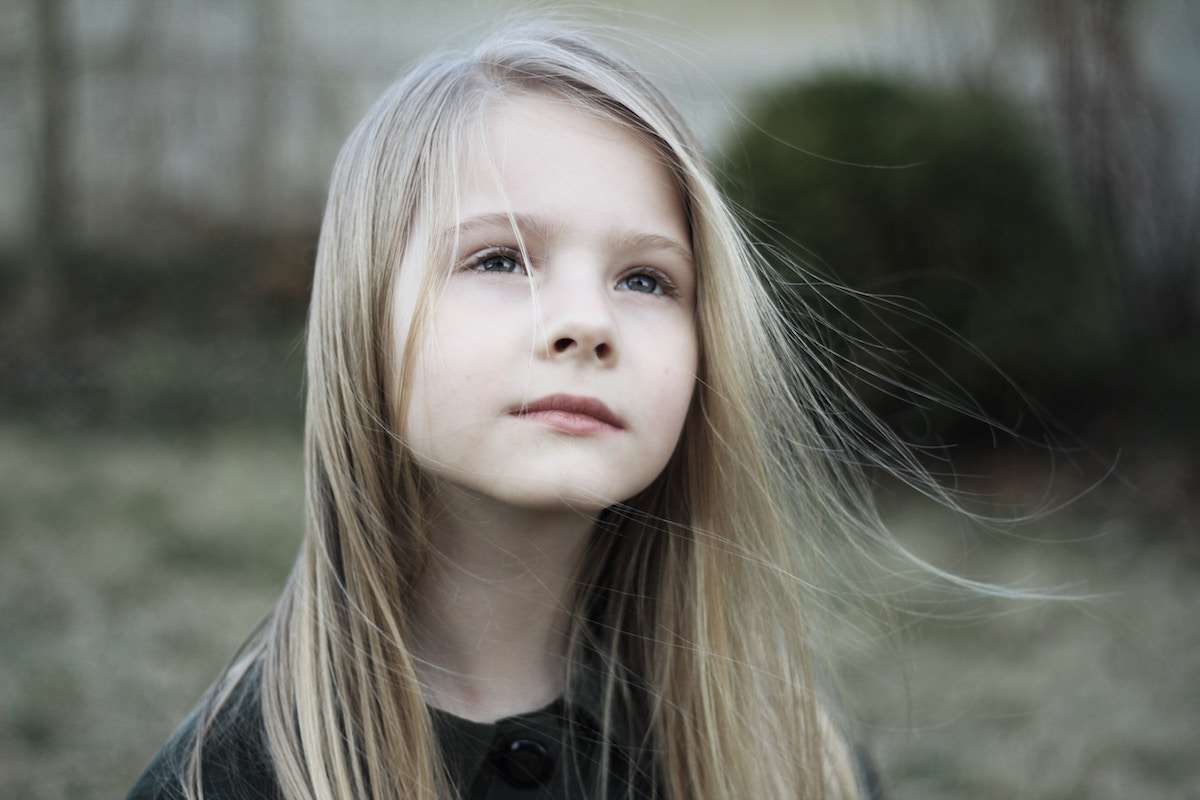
496	259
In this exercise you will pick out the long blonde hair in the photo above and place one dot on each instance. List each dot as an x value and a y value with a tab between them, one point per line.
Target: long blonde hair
706	592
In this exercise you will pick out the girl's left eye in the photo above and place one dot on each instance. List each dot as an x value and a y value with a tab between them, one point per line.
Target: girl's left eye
503	260
654	282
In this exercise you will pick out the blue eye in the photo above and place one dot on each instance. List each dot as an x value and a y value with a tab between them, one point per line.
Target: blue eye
651	282
646	280
484	261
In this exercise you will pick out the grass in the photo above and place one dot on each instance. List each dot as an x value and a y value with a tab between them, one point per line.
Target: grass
133	565
131	570
1037	699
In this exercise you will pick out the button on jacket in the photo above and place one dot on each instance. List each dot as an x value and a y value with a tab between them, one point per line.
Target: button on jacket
520	757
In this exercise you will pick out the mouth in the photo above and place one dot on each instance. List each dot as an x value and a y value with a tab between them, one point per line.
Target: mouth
571	414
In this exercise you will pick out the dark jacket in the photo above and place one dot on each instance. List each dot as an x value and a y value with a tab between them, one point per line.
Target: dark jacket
520	757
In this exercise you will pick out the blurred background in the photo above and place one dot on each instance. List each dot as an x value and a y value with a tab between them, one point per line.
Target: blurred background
998	205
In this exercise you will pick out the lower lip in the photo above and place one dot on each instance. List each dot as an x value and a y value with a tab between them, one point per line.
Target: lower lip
567	422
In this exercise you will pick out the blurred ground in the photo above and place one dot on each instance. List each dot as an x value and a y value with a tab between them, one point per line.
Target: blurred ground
135	564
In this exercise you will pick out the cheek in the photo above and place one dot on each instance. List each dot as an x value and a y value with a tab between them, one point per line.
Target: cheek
685	358
470	343
675	377
460	361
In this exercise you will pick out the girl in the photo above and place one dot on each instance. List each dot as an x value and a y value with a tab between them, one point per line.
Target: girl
570	494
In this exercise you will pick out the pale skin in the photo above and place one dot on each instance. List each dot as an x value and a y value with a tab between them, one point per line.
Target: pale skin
615	319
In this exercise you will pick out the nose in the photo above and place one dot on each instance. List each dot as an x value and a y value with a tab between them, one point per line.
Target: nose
580	327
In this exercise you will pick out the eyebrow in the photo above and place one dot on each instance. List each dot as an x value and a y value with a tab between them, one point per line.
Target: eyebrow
544	229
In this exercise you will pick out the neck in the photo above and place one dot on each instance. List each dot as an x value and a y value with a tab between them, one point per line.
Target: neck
492	610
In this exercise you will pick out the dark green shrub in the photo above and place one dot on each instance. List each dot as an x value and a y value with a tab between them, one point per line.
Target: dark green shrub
941	201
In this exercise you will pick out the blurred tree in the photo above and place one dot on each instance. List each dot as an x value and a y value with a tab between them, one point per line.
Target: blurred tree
49	231
1119	143
259	139
942	197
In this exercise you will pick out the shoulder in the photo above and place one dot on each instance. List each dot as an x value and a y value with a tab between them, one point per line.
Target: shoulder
234	764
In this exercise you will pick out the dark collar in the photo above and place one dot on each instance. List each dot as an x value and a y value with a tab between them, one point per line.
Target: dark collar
474	748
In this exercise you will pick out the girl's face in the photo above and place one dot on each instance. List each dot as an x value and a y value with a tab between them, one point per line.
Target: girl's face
613	319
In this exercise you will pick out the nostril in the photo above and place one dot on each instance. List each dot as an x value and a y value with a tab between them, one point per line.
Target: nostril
566	343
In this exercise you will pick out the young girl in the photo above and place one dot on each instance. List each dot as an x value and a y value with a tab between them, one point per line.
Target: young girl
570	493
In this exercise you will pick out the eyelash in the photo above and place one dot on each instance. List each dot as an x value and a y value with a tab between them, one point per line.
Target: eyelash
493	251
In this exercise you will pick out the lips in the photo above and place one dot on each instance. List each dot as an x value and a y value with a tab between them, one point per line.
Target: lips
571	404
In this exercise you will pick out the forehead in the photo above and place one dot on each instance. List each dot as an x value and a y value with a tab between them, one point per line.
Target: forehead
548	157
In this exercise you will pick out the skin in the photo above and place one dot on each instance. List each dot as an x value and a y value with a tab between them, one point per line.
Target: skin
516	498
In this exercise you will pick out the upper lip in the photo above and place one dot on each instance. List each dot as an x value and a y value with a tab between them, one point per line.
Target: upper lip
574	404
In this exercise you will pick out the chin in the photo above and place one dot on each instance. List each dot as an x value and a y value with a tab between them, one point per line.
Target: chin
561	496
549	486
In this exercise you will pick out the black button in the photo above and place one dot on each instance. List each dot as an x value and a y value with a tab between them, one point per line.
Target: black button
524	763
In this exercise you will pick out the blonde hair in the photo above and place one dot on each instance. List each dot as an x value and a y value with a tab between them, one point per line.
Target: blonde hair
705	592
